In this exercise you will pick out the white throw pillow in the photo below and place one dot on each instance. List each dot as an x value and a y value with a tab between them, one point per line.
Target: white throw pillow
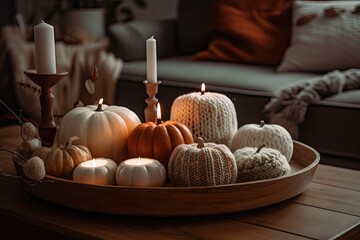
324	43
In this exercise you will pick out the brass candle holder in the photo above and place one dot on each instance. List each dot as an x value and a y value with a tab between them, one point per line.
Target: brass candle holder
47	125
150	110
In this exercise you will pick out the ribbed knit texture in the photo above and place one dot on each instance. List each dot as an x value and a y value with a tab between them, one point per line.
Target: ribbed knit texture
211	165
211	116
272	135
268	163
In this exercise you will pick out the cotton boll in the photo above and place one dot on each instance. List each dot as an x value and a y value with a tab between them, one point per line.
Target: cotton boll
34	168
29	131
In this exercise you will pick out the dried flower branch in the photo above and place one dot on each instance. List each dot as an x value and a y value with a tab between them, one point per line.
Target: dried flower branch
21	159
34	168
12	112
29	182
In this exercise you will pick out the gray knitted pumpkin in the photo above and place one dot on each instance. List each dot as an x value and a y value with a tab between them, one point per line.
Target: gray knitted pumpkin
260	163
211	116
272	135
202	164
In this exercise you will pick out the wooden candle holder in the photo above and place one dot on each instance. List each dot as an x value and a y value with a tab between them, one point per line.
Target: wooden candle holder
47	125
150	110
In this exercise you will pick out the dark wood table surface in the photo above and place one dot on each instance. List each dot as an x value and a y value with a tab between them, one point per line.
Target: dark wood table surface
328	209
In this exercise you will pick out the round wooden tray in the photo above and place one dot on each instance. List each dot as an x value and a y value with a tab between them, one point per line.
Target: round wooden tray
182	201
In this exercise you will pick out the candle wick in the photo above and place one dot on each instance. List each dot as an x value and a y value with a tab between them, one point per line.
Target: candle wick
158	121
202	92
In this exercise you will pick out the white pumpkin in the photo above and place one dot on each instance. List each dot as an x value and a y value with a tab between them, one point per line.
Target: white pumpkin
96	171
272	135
260	163
103	129
144	172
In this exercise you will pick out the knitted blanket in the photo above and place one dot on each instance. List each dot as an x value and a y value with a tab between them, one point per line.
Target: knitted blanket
288	109
78	60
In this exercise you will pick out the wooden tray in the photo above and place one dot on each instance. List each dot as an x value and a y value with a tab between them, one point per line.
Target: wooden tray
182	201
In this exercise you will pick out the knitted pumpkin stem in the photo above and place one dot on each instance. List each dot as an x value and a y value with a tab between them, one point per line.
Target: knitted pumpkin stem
71	139
200	142
259	149
262	123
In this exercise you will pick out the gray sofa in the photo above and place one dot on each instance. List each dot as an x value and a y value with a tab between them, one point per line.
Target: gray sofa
332	126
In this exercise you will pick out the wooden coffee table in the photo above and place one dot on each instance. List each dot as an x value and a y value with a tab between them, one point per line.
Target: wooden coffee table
328	209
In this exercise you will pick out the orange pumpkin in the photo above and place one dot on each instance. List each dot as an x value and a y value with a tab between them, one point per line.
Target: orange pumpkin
158	140
61	161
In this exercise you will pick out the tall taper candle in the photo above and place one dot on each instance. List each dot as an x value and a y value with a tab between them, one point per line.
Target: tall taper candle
151	61
45	48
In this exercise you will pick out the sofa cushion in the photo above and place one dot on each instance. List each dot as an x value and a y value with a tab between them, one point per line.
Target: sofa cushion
248	31
127	41
193	30
323	43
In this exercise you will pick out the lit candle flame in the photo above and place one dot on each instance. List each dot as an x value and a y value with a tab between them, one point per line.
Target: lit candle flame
202	88
138	161
101	101
94	163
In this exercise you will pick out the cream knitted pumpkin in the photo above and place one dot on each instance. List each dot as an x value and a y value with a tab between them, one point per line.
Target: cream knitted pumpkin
260	163
272	135
211	116
202	165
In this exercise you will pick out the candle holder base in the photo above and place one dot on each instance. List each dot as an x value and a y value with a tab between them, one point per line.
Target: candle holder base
47	125
150	110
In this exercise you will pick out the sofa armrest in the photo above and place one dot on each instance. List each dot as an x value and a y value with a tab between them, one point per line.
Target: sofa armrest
128	40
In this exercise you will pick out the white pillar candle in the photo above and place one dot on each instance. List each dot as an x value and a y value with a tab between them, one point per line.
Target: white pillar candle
151	61
140	172
99	171
45	48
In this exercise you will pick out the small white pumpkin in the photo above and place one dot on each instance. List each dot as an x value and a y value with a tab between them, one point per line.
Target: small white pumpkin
103	129
260	163
272	135
144	172
100	171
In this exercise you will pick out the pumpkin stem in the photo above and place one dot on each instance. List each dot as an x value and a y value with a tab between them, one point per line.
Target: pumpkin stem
71	139
200	142
99	108
259	149
262	123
